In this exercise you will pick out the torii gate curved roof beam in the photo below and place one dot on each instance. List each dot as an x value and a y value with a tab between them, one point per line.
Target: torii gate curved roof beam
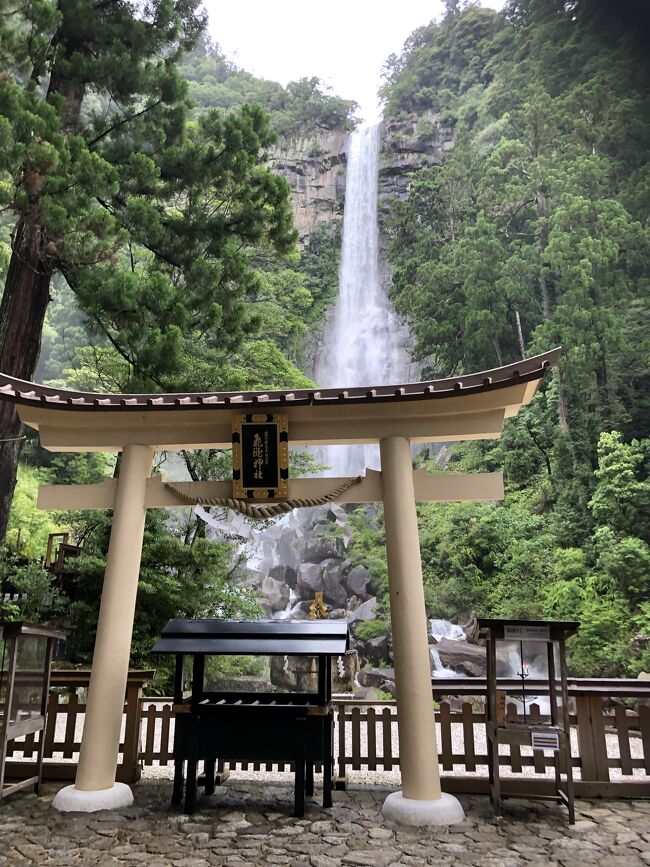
461	408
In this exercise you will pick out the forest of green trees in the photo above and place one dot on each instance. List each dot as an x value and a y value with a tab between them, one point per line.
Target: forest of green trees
534	233
146	245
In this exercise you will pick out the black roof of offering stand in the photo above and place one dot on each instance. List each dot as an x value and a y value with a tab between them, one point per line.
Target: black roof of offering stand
269	727
263	637
555	628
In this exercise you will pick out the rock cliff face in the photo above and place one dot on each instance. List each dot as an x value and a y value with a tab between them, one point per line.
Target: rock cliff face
315	168
409	143
305	554
314	165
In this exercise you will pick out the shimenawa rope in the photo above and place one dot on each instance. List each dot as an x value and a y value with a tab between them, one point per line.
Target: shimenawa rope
262	511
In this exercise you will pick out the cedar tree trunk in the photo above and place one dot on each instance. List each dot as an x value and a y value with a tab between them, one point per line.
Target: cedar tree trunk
22	313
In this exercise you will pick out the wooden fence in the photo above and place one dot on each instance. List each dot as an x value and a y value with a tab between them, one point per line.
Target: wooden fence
65	714
611	742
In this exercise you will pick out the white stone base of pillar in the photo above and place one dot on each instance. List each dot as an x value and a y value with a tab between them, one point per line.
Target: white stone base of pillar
446	810
74	800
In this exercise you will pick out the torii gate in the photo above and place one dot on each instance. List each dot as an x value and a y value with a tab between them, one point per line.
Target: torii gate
470	407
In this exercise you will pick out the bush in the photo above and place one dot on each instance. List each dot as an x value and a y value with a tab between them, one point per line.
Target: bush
368	629
40	600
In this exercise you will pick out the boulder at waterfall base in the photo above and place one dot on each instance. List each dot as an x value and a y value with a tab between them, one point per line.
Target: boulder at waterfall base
365	611
286	574
375	650
321	547
357	581
333	587
463	657
276	593
378	678
310	580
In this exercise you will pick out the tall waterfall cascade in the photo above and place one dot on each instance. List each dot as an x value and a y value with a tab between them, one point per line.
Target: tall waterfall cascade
363	342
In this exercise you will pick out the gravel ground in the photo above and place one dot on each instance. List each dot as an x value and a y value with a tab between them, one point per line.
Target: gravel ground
250	823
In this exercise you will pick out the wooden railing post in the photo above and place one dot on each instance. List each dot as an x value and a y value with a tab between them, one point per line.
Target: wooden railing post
340	777
592	745
50	725
644	728
128	771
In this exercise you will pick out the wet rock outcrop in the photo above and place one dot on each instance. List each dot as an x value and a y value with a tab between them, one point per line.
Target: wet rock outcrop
314	166
461	656
304	554
408	143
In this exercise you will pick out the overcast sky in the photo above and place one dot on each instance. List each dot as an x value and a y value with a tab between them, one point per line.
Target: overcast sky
343	42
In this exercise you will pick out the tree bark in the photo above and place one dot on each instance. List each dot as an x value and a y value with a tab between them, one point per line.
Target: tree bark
562	406
27	292
22	313
497	350
520	335
542	211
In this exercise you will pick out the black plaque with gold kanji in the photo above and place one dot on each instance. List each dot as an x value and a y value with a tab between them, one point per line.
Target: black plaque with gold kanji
260	456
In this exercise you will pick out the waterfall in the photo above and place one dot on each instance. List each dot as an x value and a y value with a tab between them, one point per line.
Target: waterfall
447	629
363	342
444	629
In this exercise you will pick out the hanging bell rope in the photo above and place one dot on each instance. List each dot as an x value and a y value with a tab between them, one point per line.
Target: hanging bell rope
259	512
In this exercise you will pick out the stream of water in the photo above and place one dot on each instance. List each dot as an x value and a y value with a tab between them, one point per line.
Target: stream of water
363	342
444	629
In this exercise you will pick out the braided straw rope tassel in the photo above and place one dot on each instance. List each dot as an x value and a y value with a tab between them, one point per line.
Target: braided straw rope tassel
260	512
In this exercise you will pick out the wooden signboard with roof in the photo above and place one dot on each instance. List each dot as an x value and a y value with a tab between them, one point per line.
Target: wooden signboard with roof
539	648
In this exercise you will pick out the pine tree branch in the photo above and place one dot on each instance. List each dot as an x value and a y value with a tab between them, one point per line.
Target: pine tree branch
151	249
122	122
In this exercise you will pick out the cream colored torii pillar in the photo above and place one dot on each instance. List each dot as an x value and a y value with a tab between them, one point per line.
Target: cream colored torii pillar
95	787
421	801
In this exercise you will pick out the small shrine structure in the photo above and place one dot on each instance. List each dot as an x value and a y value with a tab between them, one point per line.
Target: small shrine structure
394	416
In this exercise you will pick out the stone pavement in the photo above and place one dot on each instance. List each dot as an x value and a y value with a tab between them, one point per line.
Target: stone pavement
250	823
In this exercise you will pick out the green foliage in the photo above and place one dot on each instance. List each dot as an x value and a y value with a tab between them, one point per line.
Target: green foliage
486	558
199	279
641	653
283	301
601	647
300	108
40	601
179	577
150	219
442	61
367	549
533	232
621	498
319	265
219	668
303	463
367	629
29	527
624	561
